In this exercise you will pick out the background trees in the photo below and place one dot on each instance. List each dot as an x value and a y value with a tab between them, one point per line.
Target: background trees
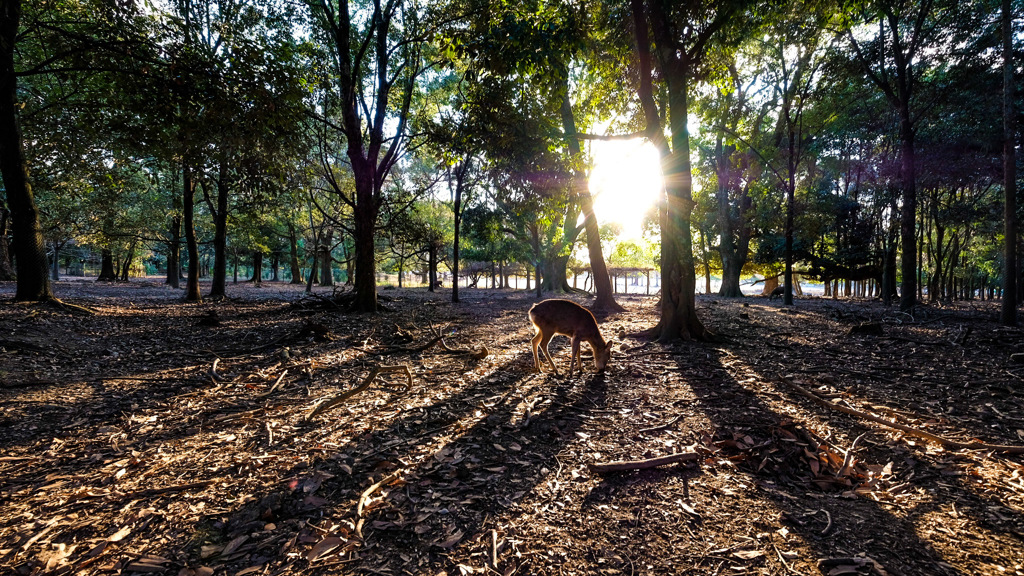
352	137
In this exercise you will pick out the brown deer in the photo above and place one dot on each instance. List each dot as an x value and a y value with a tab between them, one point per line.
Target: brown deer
565	317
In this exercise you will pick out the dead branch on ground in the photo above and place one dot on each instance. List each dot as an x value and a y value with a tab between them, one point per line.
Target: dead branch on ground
366	384
623	465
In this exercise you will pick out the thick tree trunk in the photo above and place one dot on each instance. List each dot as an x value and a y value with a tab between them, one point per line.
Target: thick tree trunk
6	270
174	252
220	235
908	226
734	235
192	243
365	226
275	267
326	262
257	267
29	248
293	255
107	273
1008	312
678	293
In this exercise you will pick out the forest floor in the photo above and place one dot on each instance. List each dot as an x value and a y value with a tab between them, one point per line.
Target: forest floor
123	450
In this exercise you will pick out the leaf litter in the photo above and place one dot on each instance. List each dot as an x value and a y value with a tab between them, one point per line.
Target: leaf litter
127	450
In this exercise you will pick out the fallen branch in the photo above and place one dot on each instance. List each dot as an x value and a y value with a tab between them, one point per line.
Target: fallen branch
364	498
622	465
902	427
213	371
664	426
275	386
478	354
366	384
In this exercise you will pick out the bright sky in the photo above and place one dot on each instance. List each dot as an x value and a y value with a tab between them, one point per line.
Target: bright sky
625	183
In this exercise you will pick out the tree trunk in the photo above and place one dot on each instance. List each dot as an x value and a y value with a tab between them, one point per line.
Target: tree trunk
1008	311
293	254
126	265
174	253
431	267
365	227
605	295
188	215
275	267
107	273
326	261
29	248
257	267
734	234
55	263
678	301
220	235
6	270
908	229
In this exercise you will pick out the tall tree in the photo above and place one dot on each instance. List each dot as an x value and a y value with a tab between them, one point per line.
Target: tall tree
1008	315
378	54
905	39
29	248
682	34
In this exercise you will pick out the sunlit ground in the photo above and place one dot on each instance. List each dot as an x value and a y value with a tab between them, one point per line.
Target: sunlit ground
625	182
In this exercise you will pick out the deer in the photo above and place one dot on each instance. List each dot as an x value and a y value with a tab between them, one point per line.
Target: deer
568	318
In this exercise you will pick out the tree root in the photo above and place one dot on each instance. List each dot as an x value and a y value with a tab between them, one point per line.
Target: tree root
366	384
945	442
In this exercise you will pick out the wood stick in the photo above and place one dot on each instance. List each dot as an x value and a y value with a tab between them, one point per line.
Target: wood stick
623	465
902	427
366	384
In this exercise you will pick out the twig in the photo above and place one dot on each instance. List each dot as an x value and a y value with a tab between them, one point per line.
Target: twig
366	384
828	526
213	371
849	454
902	427
622	465
276	384
494	549
661	427
365	497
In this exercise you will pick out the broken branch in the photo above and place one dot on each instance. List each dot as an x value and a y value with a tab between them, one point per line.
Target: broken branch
623	465
366	384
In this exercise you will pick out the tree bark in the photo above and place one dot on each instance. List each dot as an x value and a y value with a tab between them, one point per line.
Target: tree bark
107	273
188	215
174	252
326	261
1008	311
678	302
220	234
6	270
29	248
257	267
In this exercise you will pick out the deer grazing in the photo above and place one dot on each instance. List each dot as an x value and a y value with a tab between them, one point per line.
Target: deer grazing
568	318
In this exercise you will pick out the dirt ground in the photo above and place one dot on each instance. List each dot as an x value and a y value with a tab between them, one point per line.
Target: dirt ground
123	450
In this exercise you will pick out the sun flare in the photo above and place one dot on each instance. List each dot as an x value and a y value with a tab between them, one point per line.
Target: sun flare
625	182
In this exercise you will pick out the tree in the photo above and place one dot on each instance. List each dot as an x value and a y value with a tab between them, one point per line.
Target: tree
681	34
1008	313
379	59
29	248
911	38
